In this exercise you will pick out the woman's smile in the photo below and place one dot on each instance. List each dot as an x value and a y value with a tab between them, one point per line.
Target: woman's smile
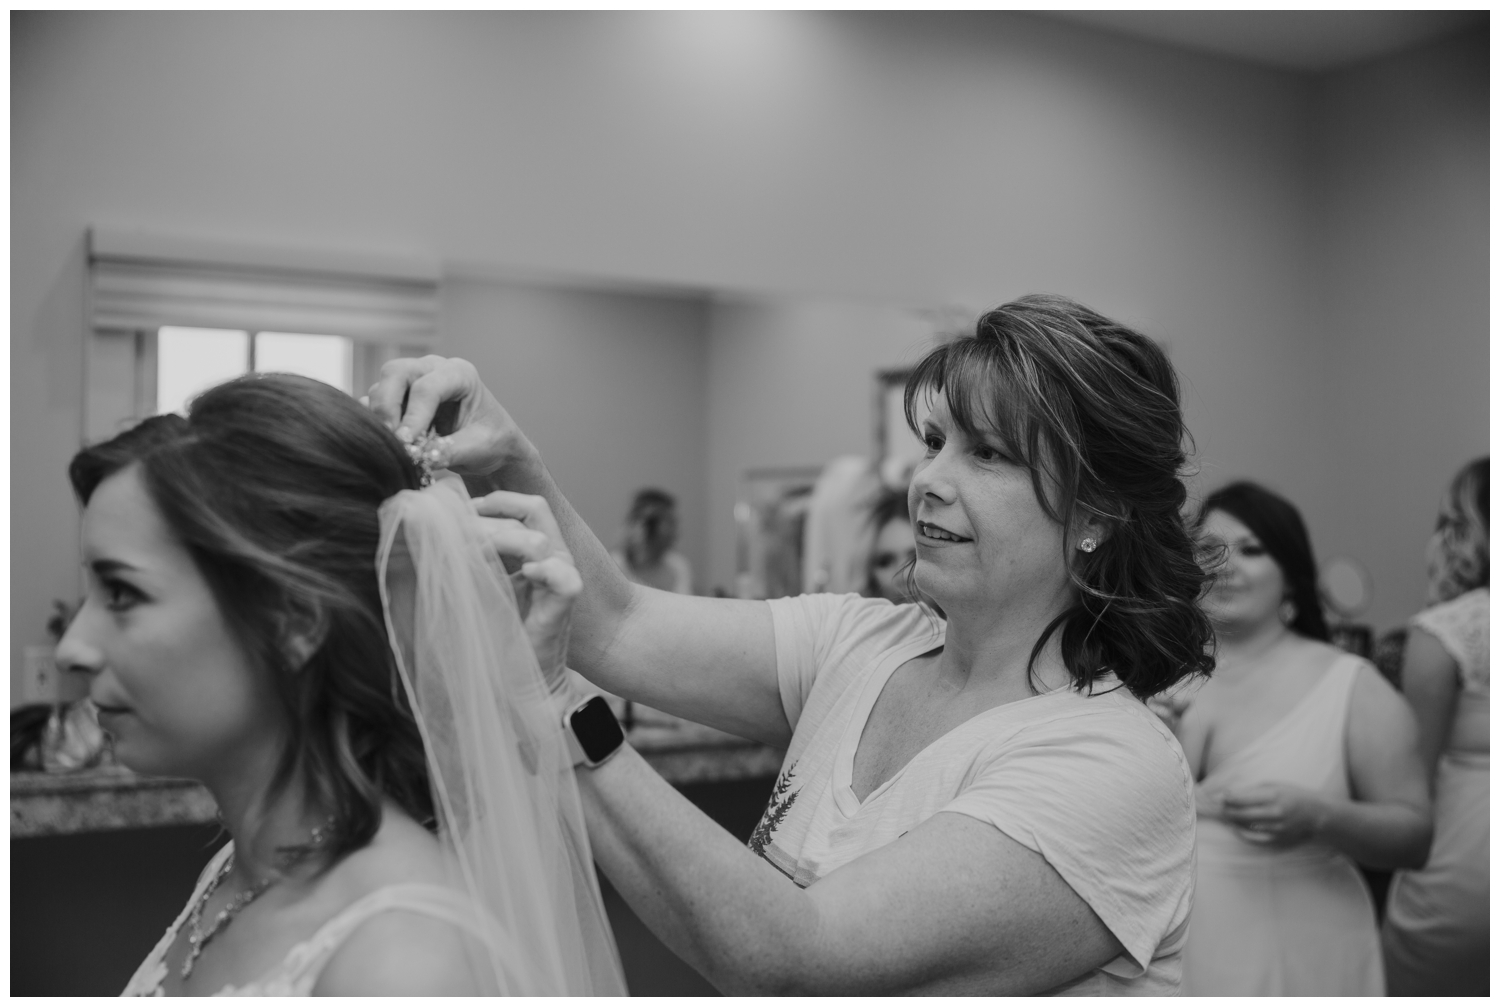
937	533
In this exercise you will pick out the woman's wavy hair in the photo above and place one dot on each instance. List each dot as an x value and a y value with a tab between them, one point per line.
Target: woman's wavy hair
1092	409
273	484
1460	554
1277	523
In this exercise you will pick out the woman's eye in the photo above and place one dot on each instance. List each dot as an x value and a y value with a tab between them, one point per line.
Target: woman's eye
934	442
1250	549
119	596
985	453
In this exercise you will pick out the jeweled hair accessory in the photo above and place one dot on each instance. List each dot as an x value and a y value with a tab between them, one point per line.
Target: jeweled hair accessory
426	452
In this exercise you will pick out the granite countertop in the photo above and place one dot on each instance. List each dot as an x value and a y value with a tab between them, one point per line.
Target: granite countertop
113	797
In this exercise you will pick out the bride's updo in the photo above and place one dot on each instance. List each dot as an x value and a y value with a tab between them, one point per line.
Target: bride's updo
273	483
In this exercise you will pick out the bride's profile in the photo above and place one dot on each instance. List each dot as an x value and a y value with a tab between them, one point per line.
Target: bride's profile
277	608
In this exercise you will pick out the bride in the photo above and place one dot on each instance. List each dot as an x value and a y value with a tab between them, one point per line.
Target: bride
278	610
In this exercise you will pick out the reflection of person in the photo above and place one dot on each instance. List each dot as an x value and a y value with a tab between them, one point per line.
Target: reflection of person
974	804
235	632
1306	761
1437	927
894	550
647	556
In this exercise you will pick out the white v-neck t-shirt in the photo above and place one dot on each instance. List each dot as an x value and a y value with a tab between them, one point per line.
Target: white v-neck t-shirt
1096	784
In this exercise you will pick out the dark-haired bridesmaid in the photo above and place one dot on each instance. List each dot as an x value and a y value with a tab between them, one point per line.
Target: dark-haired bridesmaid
1306	765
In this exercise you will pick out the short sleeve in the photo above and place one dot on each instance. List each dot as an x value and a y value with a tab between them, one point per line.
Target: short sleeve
1462	627
843	634
1106	798
806	628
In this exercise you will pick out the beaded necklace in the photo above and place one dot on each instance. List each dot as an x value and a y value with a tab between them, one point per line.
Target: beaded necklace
197	938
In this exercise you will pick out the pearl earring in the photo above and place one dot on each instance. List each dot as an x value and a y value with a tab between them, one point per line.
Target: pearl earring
1089	544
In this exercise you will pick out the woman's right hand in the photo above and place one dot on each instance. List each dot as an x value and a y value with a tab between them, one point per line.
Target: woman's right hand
522	527
484	438
1274	813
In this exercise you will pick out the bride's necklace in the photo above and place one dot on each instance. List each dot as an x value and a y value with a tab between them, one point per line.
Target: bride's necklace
198	938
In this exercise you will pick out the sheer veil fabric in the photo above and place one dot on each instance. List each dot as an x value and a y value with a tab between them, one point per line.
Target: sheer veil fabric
507	803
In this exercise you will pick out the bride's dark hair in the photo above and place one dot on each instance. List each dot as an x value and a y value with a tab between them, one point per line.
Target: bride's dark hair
273	484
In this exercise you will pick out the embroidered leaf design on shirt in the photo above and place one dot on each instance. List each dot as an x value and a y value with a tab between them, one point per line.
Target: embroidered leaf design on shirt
776	808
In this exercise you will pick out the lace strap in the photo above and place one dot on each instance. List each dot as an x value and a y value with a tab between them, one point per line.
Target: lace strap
1462	627
148	977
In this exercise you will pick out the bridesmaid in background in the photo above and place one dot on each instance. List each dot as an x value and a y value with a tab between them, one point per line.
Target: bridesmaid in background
1306	762
1437	931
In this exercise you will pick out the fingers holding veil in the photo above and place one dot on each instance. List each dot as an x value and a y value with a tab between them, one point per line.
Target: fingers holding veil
522	529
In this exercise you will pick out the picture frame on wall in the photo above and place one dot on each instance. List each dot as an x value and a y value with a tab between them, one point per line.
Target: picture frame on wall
896	448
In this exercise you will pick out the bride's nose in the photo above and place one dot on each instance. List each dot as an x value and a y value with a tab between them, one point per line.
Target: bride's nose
75	652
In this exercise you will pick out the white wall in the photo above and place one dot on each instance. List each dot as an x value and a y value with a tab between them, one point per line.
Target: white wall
882	159
1404	191
608	385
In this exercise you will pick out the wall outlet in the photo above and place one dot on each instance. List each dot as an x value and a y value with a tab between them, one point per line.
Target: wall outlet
39	678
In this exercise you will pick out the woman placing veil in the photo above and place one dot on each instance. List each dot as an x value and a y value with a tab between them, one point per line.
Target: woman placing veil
277	609
974	798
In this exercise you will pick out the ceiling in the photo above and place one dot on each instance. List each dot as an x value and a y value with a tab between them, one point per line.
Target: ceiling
1307	40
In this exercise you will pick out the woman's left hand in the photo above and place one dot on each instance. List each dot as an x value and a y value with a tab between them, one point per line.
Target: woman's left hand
522	527
1277	814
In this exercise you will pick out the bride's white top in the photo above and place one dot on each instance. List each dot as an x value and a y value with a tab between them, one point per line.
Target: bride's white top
299	971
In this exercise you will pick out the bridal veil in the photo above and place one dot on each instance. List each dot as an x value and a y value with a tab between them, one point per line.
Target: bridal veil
503	786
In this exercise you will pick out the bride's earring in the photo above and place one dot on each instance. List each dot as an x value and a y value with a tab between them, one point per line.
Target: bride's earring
1287	611
1089	544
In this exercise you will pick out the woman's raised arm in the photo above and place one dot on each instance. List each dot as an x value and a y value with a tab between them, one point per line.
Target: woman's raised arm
709	660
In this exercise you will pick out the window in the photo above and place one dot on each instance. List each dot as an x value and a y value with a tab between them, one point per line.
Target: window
171	315
191	360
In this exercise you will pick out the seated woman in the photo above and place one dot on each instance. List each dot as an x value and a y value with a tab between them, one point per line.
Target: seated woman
974	798
1437	926
1306	765
275	611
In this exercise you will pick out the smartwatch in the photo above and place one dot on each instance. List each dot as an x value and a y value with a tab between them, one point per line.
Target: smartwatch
592	731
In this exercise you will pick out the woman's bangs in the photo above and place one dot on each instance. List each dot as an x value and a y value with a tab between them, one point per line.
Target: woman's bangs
982	397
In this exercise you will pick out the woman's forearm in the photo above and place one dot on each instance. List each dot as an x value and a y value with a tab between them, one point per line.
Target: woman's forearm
1384	835
710	660
727	913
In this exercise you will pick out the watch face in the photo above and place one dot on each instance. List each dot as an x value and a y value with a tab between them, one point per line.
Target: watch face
597	730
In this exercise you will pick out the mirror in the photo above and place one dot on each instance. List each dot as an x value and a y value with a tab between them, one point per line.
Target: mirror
1345	586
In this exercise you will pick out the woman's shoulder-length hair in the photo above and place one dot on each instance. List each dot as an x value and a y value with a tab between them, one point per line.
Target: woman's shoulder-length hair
1092	409
273	484
1460	559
